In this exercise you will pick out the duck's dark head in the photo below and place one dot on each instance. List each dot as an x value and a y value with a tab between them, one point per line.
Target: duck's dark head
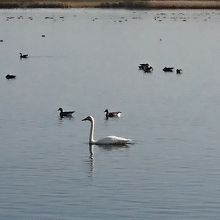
60	109
106	111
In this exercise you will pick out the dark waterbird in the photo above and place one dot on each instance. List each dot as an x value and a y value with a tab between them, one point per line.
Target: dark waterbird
179	71
112	114
141	66
168	69
23	56
10	76
65	114
146	67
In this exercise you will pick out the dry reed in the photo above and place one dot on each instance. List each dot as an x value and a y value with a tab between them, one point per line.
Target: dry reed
130	4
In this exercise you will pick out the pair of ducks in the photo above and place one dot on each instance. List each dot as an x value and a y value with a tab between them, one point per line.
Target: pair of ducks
10	76
170	69
109	140
107	114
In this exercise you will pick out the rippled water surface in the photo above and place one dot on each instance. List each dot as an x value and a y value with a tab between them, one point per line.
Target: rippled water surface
87	62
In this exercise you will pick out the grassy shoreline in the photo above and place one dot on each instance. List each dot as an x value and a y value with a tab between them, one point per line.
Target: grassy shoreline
128	4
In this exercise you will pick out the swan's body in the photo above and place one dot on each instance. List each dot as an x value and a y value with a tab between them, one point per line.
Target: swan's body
112	114
113	140
65	114
109	140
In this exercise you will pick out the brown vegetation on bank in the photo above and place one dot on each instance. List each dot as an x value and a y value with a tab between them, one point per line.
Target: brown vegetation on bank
129	4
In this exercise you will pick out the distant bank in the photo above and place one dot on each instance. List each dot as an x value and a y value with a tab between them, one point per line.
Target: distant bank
129	4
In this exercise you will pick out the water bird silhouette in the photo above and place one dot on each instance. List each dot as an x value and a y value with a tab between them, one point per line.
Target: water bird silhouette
178	71
23	56
65	114
146	67
10	76
168	69
112	114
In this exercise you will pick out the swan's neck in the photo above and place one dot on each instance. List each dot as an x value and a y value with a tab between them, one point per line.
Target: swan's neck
91	136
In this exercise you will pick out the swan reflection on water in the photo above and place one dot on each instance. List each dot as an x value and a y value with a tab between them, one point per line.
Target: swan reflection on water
91	151
107	147
89	162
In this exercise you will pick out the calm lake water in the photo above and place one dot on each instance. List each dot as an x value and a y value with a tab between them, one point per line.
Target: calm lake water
87	62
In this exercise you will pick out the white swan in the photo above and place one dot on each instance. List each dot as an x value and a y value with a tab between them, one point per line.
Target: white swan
109	140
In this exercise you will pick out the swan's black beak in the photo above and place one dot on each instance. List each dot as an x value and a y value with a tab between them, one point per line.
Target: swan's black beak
86	119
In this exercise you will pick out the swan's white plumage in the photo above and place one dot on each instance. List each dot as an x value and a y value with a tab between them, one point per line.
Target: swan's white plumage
114	140
109	140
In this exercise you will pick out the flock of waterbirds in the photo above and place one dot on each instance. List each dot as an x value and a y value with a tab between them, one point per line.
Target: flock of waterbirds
158	16
174	16
147	68
108	140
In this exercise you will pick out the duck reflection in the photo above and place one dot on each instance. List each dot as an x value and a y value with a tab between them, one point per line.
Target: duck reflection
89	162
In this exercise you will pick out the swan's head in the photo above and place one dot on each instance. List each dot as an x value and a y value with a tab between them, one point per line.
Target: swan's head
106	110
89	118
60	109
